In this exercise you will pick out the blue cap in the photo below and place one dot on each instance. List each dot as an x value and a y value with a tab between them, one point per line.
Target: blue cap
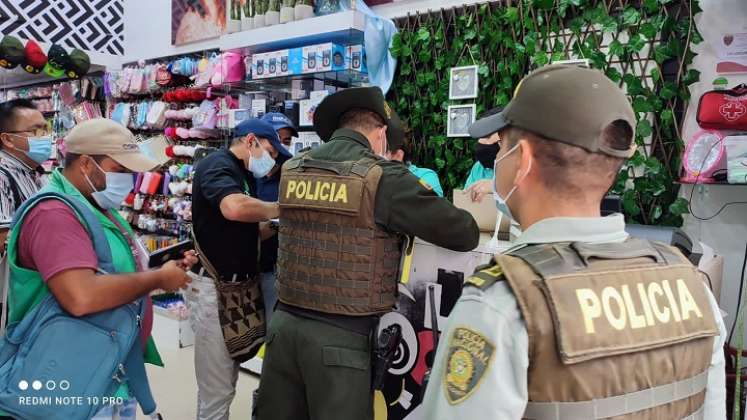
263	130
279	121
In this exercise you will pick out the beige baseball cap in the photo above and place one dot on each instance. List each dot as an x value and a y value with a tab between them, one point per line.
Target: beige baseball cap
102	136
565	103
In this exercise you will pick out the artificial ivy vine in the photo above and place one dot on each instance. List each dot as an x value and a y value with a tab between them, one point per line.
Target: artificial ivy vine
644	45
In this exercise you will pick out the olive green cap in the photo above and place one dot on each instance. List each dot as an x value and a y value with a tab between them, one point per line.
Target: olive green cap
328	113
11	52
565	103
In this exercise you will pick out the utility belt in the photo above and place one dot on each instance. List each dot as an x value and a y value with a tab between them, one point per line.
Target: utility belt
383	344
230	278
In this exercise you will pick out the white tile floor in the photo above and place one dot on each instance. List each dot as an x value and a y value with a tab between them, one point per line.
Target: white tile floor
175	388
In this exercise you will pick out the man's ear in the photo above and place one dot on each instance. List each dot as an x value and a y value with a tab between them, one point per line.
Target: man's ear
6	141
526	155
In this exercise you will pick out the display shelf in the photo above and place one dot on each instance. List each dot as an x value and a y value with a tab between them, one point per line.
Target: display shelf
711	183
343	28
343	78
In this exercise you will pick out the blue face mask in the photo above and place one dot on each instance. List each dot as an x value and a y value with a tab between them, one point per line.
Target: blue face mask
502	203
39	149
118	185
261	166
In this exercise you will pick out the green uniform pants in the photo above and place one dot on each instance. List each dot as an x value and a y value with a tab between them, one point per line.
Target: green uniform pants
314	371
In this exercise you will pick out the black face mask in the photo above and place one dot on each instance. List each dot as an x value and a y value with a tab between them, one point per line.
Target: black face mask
485	154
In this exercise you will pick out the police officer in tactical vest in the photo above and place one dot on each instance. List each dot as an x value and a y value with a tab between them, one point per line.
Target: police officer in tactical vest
344	210
578	320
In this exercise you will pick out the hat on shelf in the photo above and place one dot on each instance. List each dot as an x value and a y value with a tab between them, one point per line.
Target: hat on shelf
79	65
35	59
58	61
11	52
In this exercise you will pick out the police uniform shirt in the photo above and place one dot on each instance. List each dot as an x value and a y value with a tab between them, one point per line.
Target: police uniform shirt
487	325
230	246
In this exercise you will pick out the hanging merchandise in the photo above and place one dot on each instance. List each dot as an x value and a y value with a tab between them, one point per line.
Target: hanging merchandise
79	64
230	69
724	109
11	52
35	58
58	61
705	155
272	13
247	15
163	75
303	9
286	11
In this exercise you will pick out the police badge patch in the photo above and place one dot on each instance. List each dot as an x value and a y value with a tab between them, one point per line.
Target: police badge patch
469	356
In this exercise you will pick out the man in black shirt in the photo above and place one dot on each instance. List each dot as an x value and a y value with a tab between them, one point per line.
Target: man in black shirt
225	217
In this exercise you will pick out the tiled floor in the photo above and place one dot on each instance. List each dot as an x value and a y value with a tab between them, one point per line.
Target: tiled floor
175	389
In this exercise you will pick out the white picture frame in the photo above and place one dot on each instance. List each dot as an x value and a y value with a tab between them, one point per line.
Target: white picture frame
463	82
458	120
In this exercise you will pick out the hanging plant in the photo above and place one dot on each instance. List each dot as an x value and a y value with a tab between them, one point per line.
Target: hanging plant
645	46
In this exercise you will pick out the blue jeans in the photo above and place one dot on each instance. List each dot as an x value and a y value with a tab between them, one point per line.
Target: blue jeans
269	293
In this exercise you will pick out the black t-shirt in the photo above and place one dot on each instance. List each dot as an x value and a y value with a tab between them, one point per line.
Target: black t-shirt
230	246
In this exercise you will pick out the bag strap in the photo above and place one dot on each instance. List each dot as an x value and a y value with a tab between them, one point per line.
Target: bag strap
5	272
203	258
91	222
138	379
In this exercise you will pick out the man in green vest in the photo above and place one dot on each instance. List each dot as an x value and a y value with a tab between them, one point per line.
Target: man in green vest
50	249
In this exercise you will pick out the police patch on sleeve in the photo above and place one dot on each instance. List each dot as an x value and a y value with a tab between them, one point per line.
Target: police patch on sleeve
468	358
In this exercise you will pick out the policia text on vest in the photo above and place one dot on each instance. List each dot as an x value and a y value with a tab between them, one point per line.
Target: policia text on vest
637	306
317	191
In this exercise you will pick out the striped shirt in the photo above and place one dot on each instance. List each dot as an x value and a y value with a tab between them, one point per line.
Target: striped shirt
18	182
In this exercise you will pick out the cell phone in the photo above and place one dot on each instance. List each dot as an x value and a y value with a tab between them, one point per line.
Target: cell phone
173	252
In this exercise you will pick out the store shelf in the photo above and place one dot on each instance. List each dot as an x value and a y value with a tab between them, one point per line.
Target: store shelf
710	183
345	78
343	28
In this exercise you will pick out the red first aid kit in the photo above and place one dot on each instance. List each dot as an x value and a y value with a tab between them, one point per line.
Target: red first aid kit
724	109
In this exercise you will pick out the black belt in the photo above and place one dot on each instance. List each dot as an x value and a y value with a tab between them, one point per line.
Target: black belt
357	324
234	277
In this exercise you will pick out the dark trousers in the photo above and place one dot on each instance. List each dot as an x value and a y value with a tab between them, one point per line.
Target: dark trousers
314	371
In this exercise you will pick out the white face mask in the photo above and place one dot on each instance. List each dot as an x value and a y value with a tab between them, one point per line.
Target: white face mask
502	203
261	166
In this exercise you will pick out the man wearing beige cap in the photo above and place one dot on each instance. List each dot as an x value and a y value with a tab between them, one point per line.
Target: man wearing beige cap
51	248
578	320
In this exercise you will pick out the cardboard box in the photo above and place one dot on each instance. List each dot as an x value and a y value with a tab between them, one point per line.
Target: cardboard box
311	60
355	59
260	66
283	63
332	57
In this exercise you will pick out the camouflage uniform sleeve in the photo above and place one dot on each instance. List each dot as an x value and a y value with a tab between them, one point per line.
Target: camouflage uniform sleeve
404	205
480	368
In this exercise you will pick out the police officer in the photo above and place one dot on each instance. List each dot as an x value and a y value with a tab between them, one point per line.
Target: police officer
577	320
343	211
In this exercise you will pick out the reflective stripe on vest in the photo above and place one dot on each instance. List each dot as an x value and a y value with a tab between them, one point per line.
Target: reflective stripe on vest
621	405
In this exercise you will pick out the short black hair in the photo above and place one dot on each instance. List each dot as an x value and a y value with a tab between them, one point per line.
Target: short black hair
8	112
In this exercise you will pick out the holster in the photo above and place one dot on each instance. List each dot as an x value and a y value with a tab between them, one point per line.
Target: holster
384	349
